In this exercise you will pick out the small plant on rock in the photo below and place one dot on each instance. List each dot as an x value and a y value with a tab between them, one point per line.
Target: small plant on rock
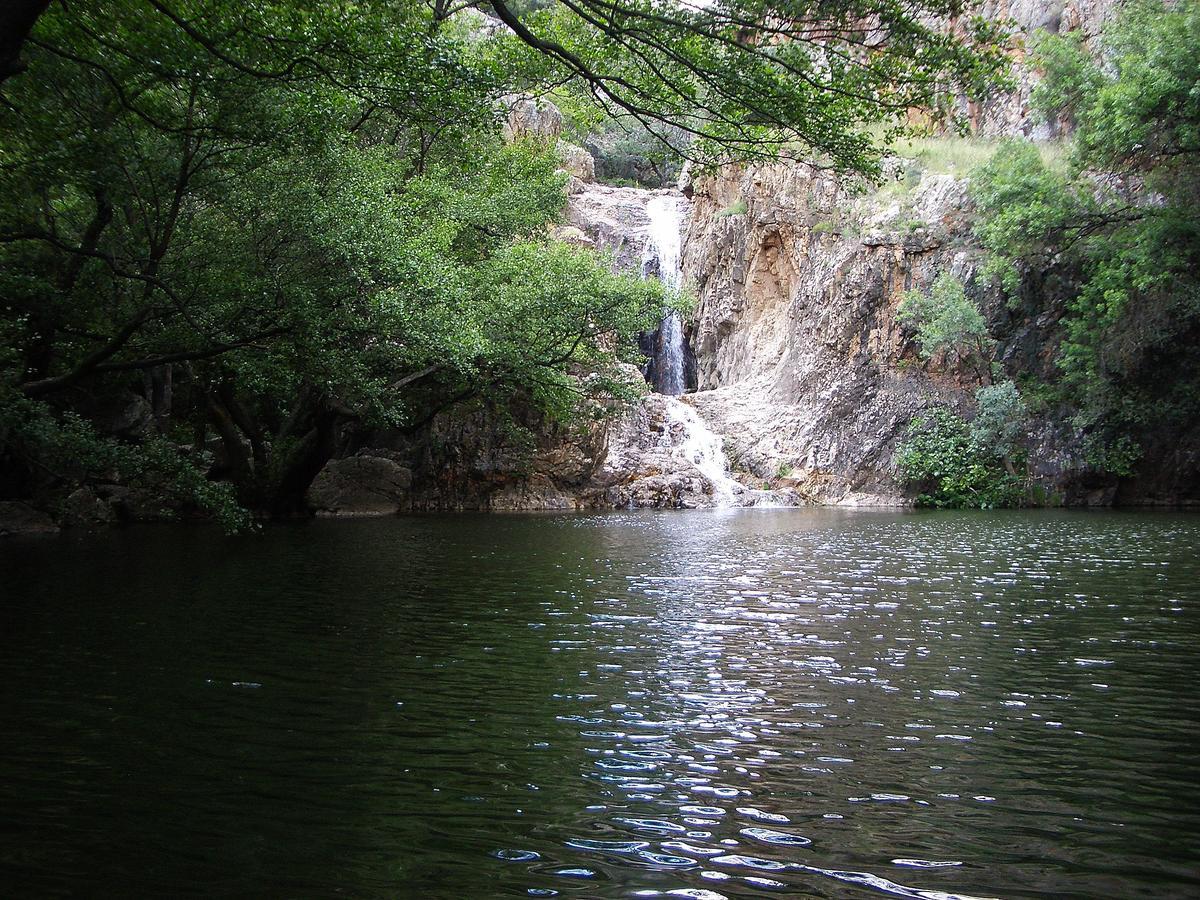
949	322
736	208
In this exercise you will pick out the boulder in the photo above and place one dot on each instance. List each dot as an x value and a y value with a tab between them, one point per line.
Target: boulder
84	507
21	518
532	118
360	486
577	162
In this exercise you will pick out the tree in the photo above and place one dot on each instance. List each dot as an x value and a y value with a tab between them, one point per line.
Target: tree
999	420
764	78
285	222
305	230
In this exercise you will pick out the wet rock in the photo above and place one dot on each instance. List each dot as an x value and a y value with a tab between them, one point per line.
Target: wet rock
137	504
616	219
539	491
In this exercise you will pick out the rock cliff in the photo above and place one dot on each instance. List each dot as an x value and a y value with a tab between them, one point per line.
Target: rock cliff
798	349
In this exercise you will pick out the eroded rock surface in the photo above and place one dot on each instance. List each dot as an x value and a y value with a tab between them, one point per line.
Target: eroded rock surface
801	361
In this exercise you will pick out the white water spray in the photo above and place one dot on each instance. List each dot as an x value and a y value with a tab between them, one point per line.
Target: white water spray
664	238
692	440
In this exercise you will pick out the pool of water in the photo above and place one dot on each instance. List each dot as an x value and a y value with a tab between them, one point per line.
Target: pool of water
740	703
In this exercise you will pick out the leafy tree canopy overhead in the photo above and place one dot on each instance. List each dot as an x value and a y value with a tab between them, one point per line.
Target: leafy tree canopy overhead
764	78
308	225
714	80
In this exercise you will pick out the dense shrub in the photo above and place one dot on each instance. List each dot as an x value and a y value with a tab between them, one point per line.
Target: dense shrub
952	470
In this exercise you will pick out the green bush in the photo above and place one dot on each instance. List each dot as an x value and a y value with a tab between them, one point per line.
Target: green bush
954	472
1113	456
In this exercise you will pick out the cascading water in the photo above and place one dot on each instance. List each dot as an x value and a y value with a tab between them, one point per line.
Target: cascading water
692	440
670	456
663	244
687	436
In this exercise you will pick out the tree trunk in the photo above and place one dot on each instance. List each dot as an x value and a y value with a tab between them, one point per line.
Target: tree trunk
305	460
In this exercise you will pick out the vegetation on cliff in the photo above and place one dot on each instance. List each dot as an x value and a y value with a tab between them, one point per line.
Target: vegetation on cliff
1121	221
1105	239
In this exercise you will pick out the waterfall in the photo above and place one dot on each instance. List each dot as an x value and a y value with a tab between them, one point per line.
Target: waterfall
669	359
688	438
663	245
663	242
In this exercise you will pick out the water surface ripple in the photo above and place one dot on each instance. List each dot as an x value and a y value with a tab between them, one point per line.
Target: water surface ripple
705	704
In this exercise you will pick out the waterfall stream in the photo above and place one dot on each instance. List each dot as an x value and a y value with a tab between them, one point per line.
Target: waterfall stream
663	245
670	442
696	443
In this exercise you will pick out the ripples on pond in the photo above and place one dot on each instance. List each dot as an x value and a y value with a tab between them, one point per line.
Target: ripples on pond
711	704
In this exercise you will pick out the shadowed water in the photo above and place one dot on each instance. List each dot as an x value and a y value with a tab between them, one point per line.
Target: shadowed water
704	704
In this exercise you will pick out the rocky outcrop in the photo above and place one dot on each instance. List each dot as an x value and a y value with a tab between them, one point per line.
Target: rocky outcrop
537	119
532	118
800	359
615	220
803	366
657	453
577	163
363	485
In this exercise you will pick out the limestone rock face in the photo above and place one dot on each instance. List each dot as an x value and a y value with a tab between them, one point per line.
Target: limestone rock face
616	220
361	486
801	363
1010	113
532	118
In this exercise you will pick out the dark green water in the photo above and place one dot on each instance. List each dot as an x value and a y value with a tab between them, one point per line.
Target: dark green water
696	704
